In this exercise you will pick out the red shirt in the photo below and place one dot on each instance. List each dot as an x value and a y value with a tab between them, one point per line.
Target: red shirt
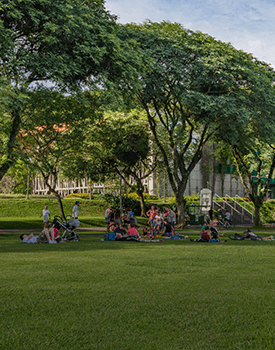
132	231
205	235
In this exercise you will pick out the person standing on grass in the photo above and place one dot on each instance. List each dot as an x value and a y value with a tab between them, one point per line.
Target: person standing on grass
171	218
210	213
151	213
75	210
46	215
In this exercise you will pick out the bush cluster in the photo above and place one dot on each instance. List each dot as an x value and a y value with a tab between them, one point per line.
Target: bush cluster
113	199
79	195
146	196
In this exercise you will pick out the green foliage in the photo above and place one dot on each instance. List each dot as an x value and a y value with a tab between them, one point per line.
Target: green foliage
146	196
268	211
60	43
127	202
194	88
19	173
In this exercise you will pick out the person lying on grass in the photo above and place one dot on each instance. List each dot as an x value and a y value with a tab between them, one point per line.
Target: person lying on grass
44	237
252	235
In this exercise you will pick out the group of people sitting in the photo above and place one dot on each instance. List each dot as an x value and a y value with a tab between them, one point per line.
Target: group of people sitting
49	234
113	217
209	234
124	233
161	222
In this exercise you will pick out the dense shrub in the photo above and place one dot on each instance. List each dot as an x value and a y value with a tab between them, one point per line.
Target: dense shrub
114	200
146	196
268	211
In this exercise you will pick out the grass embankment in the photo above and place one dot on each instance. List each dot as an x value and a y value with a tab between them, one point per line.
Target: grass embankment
20	213
125	295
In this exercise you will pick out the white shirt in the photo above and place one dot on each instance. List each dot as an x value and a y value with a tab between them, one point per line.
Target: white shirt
75	211
45	214
227	216
31	240
252	234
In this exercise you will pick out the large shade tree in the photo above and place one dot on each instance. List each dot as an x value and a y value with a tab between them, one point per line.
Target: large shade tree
68	44
254	152
118	143
194	88
52	132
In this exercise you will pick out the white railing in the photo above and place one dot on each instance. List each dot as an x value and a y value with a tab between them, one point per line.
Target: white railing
233	207
246	204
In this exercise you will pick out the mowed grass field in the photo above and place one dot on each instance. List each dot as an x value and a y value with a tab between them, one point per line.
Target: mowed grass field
127	295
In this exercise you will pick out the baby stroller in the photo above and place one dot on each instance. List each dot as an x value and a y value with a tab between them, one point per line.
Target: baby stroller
67	227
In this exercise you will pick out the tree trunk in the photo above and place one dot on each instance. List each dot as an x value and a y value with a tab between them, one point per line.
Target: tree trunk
10	147
180	207
60	204
258	204
142	206
141	198
56	194
90	195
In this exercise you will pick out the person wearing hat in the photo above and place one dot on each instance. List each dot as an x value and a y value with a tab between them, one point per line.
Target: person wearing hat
75	210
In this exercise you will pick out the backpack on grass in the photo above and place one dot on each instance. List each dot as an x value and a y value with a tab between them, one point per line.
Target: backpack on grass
110	236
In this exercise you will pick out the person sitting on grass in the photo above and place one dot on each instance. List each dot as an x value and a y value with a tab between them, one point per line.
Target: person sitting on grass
120	229
132	231
215	237
205	236
158	221
44	237
168	230
146	232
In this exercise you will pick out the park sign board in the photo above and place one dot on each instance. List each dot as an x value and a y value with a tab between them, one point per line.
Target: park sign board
205	199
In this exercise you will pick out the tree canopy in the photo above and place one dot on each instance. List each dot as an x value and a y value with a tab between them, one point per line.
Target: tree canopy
194	87
62	44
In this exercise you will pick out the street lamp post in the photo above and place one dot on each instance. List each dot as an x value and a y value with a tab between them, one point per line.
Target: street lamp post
28	180
120	191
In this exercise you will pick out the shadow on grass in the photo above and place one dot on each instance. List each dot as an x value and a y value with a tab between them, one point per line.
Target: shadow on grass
12	245
20	223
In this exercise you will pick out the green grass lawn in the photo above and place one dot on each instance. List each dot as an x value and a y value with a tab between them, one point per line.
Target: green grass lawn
126	295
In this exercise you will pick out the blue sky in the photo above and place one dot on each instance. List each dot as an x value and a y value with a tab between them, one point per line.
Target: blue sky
248	25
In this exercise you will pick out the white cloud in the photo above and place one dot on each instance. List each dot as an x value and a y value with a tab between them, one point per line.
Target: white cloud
248	25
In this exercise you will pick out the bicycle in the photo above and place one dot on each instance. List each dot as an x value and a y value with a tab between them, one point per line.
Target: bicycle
227	224
238	237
